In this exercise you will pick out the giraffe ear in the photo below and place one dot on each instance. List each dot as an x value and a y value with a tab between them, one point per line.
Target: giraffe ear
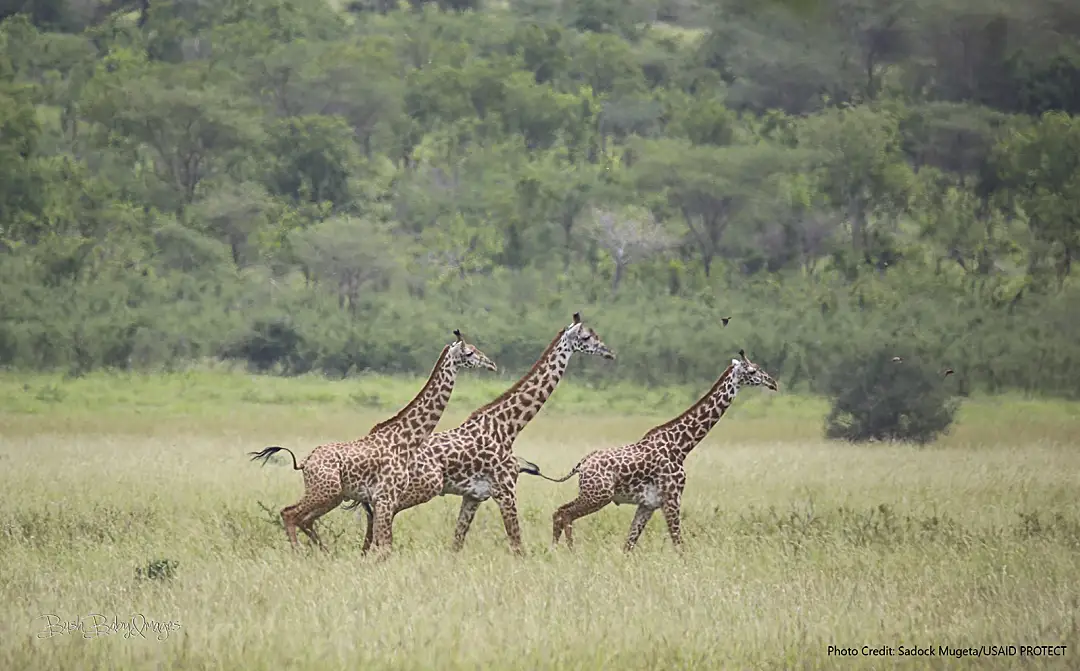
735	363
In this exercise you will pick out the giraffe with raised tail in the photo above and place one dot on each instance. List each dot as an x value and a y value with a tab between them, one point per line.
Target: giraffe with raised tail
651	473
476	460
374	469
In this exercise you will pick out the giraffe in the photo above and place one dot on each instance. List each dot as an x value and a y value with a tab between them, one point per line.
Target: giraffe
475	460
651	473
375	467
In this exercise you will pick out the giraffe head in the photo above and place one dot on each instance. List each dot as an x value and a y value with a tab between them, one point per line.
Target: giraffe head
466	355
748	374
584	339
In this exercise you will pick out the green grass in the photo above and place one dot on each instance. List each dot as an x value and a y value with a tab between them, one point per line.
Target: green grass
792	543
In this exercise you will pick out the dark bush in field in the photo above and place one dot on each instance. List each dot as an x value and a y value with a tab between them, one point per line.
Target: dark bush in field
877	398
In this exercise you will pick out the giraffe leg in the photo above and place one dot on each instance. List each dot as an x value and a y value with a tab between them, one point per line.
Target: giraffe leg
464	520
288	518
563	519
299	516
671	516
671	503
306	522
506	499
383	524
369	515
641	518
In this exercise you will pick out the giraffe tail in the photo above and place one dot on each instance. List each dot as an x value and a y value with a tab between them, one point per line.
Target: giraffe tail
270	451
530	468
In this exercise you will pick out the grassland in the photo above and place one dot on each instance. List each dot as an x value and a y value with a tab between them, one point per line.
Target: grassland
792	543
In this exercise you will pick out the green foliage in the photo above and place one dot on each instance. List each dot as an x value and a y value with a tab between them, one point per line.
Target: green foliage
177	177
875	397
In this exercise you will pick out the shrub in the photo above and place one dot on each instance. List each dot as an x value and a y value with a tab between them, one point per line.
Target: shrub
269	342
875	398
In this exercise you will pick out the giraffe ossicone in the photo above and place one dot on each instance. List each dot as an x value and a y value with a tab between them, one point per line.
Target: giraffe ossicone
374	468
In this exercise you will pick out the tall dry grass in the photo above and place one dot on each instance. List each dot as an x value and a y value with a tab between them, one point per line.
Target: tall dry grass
791	543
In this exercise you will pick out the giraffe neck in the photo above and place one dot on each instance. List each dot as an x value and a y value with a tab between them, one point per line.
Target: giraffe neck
521	402
415	422
688	429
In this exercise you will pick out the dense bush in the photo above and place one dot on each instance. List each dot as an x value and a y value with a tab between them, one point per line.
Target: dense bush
875	397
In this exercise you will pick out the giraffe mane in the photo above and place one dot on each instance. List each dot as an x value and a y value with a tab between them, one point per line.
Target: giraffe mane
712	390
415	399
517	385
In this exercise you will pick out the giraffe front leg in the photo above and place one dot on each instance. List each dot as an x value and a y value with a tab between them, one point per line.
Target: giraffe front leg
641	518
671	502
464	520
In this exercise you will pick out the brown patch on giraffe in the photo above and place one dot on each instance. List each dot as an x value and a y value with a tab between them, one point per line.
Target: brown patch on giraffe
524	378
712	390
416	399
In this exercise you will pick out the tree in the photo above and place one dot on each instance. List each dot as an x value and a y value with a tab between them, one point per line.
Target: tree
863	171
347	254
22	187
1040	166
629	236
711	187
190	125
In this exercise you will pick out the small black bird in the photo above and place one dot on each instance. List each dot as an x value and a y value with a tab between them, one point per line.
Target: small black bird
725	320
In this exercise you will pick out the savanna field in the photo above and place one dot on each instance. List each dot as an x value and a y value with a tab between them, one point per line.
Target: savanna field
133	496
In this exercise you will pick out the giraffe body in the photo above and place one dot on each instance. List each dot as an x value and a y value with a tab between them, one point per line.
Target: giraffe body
650	473
375	469
475	460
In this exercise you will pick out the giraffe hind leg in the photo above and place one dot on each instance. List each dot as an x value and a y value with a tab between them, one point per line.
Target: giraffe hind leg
384	509
304	514
563	519
369	516
469	506
641	518
507	501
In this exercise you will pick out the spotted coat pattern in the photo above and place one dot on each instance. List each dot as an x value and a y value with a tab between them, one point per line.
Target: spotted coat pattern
651	473
374	469
475	460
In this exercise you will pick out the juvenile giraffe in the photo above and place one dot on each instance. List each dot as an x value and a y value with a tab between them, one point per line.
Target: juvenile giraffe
375	468
651	473
475	460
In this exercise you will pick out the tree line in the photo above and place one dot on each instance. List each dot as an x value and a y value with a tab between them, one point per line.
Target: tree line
311	186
